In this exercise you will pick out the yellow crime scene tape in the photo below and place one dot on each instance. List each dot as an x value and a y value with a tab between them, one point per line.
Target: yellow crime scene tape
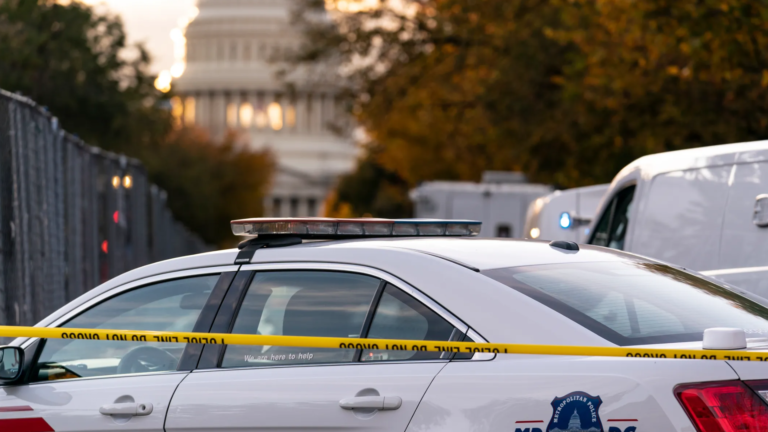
374	344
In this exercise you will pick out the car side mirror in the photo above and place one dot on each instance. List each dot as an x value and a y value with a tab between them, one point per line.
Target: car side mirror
11	362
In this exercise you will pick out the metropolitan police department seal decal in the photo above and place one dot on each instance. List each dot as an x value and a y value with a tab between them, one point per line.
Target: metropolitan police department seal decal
576	412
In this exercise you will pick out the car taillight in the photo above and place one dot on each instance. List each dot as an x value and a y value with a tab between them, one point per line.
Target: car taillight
725	406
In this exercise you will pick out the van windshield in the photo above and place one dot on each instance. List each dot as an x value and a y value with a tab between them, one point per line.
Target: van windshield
636	303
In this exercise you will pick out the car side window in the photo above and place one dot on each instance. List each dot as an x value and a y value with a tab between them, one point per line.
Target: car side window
167	306
400	316
301	303
612	228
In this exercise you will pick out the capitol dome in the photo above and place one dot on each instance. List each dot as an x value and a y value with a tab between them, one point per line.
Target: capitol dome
230	82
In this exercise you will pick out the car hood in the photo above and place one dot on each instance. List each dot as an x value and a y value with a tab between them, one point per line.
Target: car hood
747	370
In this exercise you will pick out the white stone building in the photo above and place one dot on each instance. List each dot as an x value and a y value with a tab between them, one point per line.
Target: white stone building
230	83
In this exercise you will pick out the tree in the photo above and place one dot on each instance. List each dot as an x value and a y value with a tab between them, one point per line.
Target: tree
568	91
660	75
370	190
211	184
76	62
73	61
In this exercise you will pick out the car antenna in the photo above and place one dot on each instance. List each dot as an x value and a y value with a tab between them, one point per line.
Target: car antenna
565	245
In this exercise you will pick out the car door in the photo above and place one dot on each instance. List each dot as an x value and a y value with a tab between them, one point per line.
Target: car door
249	388
92	385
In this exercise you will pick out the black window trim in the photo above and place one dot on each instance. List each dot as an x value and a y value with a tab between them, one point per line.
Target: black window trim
225	319
366	271
192	352
212	357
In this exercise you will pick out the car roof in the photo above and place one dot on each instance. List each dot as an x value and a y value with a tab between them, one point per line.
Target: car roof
479	254
679	160
476	253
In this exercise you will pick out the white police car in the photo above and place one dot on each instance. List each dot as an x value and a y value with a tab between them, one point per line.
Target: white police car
399	280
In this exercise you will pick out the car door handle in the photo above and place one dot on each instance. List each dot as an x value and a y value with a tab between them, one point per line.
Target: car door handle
128	409
375	402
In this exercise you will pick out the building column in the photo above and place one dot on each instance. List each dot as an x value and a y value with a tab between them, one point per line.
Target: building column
303	210
313	206
308	111
273	97
218	115
234	99
329	110
301	112
204	110
200	108
294	209
253	98
317	113
276	207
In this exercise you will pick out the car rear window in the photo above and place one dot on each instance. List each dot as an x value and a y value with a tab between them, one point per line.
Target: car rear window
636	303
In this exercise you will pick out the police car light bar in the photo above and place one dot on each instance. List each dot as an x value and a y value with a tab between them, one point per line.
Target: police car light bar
332	228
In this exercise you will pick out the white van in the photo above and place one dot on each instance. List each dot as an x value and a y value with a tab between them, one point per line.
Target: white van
705	209
564	214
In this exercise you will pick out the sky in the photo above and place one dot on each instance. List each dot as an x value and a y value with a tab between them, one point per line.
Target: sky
151	22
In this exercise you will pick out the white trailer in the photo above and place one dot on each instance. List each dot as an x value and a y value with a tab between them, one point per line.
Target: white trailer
500	201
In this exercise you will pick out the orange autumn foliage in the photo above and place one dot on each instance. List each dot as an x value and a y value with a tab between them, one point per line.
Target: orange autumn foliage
567	91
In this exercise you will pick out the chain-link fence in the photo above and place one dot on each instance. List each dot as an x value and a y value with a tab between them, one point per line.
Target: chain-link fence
71	216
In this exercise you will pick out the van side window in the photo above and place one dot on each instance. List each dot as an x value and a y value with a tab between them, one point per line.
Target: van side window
612	227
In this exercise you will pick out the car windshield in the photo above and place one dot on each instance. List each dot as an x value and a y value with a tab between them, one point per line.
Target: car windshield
636	303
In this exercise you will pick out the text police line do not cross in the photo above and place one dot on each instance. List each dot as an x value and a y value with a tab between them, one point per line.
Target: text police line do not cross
374	344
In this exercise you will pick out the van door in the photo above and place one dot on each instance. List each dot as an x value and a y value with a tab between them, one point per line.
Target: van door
681	217
744	244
